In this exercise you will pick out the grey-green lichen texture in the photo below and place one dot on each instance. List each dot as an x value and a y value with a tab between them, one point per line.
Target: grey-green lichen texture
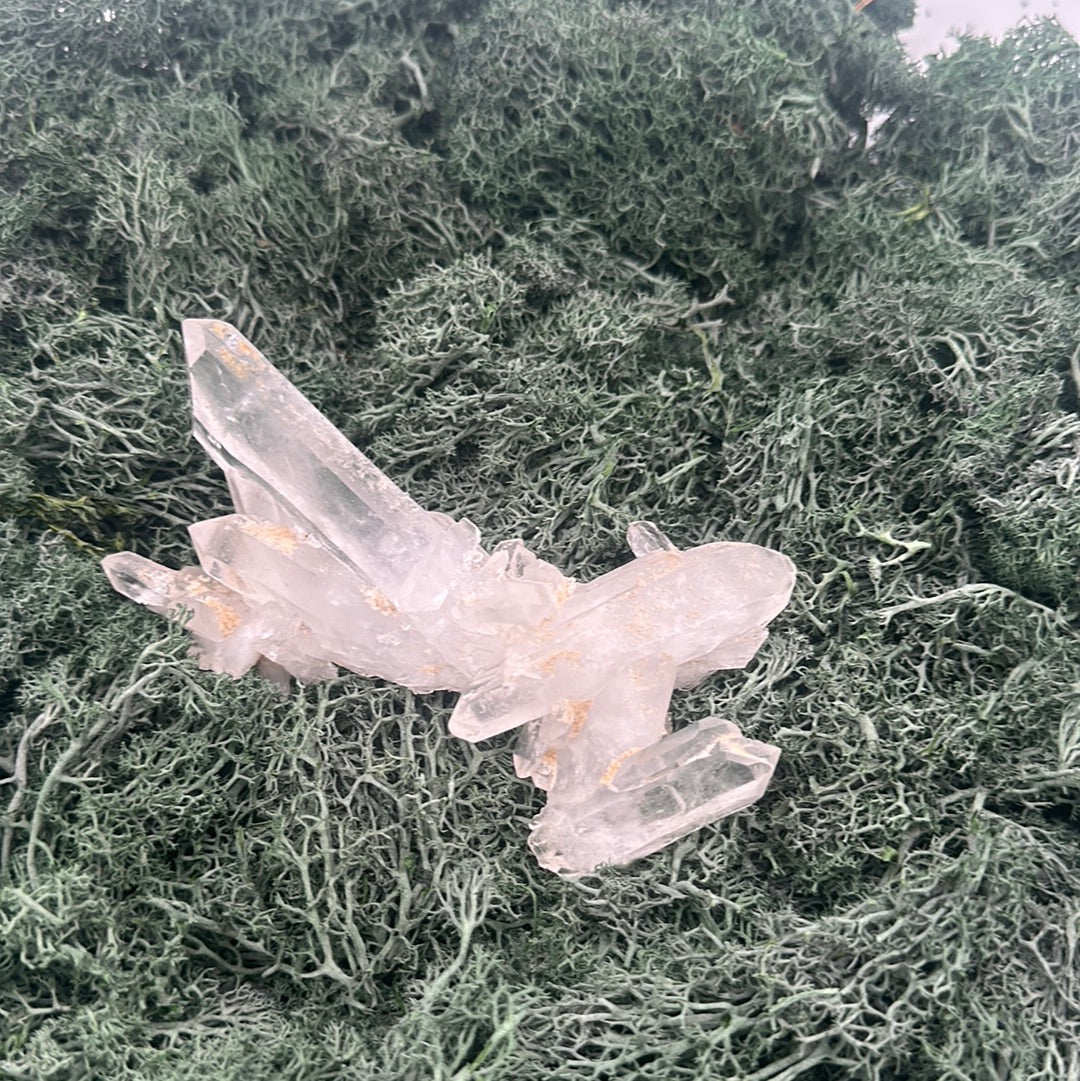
735	267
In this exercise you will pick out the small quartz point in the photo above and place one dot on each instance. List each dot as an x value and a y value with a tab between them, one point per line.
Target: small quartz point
327	564
646	799
644	537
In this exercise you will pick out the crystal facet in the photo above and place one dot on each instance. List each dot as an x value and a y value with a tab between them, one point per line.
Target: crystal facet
328	563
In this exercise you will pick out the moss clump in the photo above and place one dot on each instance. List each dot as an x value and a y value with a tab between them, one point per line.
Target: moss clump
691	141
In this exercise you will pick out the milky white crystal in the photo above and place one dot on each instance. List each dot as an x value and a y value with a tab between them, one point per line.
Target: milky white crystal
328	564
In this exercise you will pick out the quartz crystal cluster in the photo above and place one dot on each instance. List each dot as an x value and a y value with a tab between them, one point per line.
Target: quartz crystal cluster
327	563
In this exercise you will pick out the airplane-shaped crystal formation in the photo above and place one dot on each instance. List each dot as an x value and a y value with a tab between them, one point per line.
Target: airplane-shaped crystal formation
327	563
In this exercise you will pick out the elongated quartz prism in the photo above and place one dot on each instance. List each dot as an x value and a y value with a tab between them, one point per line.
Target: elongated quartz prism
328	564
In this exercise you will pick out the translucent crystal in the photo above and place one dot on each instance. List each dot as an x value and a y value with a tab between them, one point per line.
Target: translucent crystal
328	564
646	800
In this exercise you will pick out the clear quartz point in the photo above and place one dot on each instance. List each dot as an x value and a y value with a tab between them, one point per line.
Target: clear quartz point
644	537
327	564
655	796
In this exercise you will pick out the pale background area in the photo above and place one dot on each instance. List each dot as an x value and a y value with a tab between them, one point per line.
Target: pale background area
935	18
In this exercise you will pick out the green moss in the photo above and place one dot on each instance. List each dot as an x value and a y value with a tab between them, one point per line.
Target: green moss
1032	539
554	267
